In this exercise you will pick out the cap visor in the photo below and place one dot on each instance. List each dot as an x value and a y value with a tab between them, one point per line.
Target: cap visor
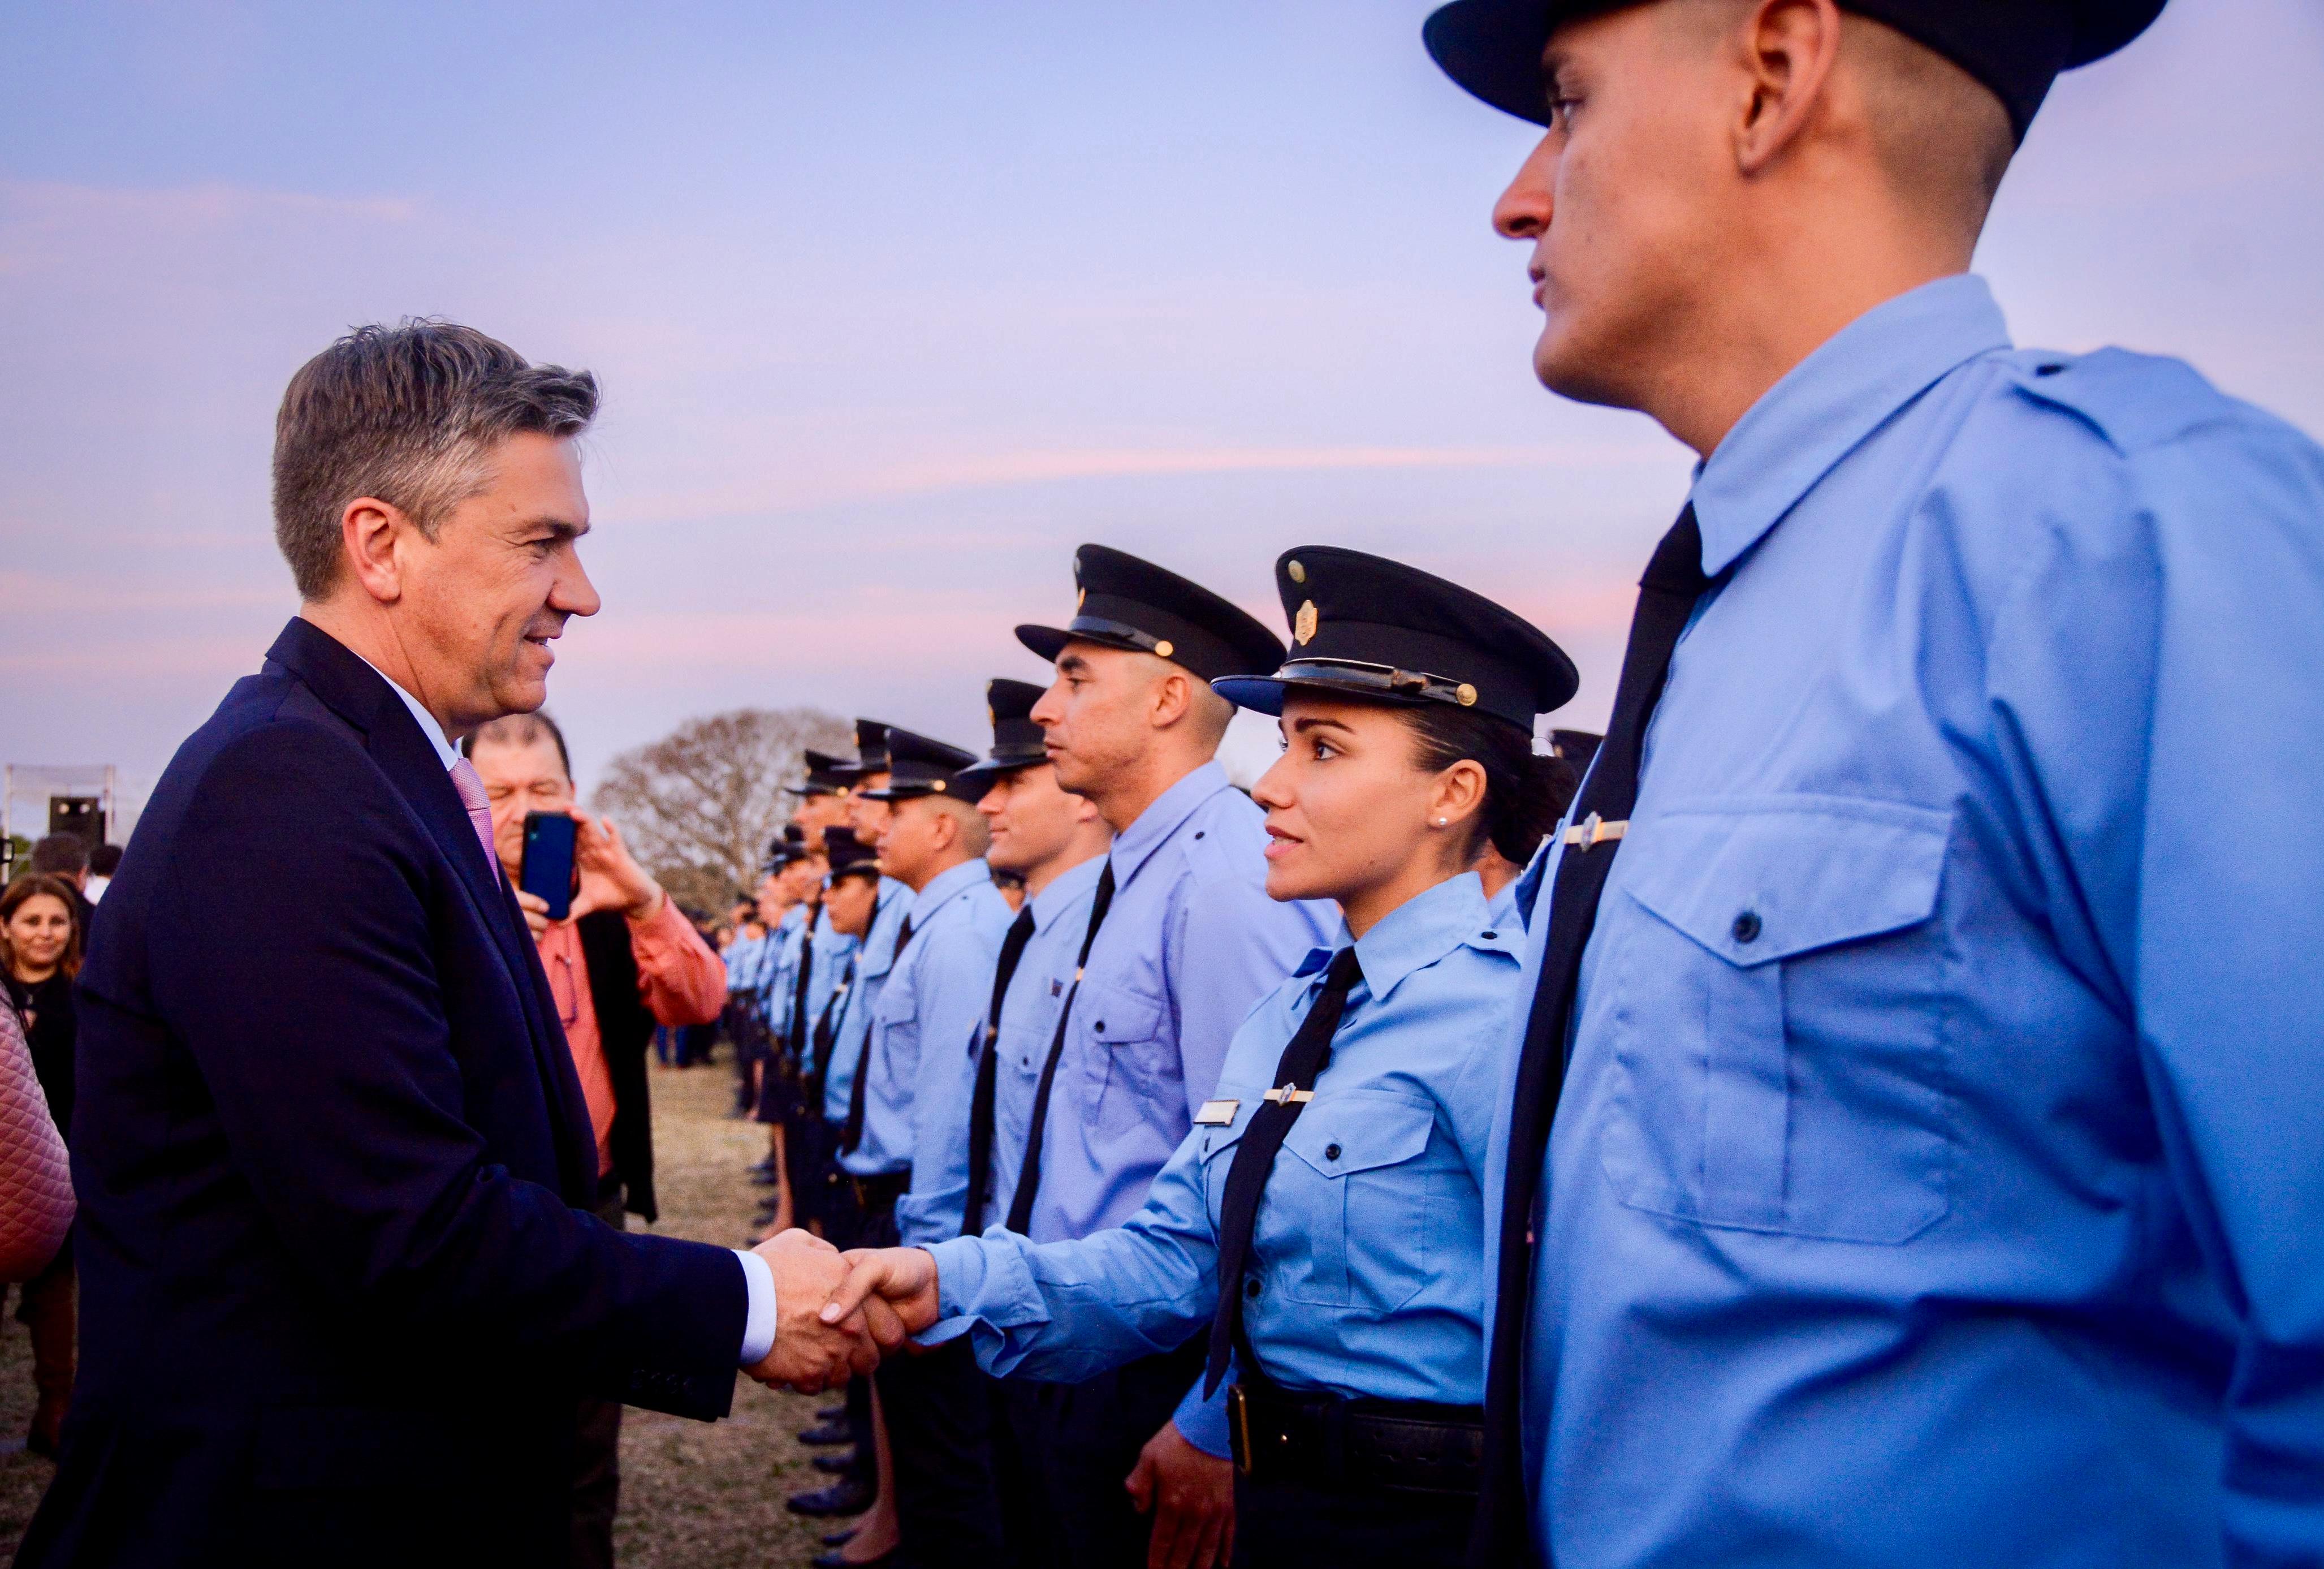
1493	48
1259	694
978	777
1050	642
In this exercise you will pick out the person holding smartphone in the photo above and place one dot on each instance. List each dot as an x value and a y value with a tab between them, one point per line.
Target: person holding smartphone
620	957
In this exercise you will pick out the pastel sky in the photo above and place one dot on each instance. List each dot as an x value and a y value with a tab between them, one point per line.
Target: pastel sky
894	301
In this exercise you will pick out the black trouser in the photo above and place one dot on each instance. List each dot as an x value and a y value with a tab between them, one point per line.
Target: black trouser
1279	1523
832	1198
807	1157
939	1432
597	1447
1062	1452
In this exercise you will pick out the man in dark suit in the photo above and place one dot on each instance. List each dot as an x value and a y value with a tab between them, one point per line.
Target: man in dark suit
341	1288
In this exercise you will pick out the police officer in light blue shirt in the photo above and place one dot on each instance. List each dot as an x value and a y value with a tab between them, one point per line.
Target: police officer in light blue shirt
905	1142
1182	940
1321	1227
1057	843
1936	1177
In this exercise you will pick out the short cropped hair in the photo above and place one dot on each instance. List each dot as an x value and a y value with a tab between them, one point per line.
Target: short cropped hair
61	855
518	730
105	860
409	414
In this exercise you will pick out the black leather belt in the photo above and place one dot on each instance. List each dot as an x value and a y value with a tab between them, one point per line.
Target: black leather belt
1355	1446
877	1195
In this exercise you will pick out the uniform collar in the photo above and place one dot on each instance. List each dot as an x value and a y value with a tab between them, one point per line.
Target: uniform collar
1826	405
1413	936
1064	889
1157	822
947	884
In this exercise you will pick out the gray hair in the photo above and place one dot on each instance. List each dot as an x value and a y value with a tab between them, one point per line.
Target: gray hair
410	415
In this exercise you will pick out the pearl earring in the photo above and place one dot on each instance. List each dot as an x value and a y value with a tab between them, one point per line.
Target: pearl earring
1441	821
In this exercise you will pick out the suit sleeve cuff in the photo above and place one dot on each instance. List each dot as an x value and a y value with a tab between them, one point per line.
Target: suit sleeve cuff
758	1326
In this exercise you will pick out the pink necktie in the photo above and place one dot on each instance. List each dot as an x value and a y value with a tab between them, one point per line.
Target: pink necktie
471	787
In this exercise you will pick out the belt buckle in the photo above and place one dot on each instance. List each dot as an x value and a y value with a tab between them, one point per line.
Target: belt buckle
1239	1428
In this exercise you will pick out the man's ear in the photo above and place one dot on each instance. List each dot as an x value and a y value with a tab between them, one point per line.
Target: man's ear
1787	49
1171	696
369	529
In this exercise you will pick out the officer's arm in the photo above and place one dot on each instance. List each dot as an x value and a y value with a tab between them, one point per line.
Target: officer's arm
2162	684
1067	1311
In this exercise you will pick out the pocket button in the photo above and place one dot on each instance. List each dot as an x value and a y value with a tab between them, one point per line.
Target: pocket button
1747	927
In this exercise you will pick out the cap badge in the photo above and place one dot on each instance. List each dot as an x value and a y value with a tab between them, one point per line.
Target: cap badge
1467	693
1165	647
1080	597
1295	571
1304	626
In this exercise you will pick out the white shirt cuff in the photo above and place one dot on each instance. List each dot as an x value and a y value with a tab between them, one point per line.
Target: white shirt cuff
758	1328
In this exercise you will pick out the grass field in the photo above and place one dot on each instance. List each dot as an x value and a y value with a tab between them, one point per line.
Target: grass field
702	1495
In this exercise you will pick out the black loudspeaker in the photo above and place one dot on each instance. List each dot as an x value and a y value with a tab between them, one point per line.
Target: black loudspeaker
81	815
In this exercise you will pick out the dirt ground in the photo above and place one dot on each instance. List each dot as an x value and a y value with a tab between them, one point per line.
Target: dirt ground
701	1495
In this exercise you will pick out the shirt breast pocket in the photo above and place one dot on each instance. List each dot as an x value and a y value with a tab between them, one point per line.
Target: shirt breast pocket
1777	1019
1132	1066
1355	1182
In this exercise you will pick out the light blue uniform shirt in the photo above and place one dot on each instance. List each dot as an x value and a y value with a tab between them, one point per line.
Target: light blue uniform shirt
1029	1018
1190	942
851	1022
745	958
1368	1242
933	997
1961	1205
773	996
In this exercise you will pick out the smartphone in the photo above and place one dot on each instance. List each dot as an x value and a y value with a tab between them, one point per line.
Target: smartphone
546	869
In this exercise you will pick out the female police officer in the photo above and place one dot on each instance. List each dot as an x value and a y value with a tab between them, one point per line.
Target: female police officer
1324	1215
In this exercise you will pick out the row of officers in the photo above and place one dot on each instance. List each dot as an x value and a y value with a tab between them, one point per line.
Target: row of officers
1219	1037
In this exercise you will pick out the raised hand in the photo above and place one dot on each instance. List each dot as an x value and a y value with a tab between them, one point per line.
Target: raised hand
611	877
903	1280
813	1353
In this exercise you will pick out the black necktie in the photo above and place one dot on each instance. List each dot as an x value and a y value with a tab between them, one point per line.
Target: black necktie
827	1029
903	936
852	1134
1666	598
1304	1059
796	1037
988	1076
1029	1180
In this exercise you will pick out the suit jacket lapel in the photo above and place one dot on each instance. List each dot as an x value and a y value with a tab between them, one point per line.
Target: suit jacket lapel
361	695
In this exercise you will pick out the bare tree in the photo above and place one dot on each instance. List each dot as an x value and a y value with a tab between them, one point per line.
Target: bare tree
699	805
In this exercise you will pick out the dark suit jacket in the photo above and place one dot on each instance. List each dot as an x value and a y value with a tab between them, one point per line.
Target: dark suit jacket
338	1297
625	1028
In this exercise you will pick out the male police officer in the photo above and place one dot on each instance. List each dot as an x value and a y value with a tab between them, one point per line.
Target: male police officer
1056	844
1934	938
1182	939
908	1115
827	1029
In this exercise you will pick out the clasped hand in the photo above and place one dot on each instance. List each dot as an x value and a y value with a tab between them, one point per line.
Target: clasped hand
837	1314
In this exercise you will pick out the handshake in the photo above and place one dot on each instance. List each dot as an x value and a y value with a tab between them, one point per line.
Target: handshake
837	1314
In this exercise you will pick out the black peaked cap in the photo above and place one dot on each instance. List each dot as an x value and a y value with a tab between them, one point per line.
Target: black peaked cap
2016	48
1363	626
870	751
849	853
1125	603
826	775
919	766
1015	740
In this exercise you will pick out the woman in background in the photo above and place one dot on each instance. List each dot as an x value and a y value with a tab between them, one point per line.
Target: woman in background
40	953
